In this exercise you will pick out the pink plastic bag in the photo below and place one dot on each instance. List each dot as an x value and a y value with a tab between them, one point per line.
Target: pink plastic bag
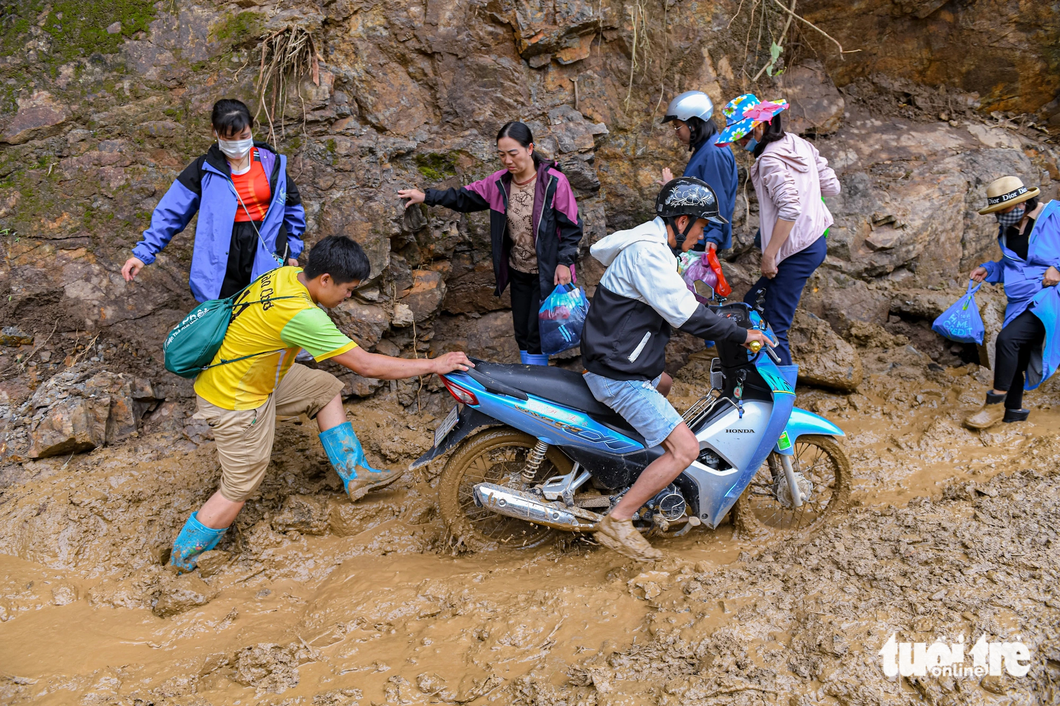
698	269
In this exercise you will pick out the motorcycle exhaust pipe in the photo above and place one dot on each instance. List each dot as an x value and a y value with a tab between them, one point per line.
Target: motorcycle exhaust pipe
524	506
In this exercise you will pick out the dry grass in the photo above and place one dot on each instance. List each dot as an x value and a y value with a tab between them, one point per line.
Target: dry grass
287	56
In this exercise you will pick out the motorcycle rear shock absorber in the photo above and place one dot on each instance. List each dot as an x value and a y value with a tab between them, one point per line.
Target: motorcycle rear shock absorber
533	461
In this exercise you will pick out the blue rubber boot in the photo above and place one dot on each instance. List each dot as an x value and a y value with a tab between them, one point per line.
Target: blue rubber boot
536	359
524	357
347	458
194	539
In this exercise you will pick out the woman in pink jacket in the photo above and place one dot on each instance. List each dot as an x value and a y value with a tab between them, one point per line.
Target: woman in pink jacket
789	177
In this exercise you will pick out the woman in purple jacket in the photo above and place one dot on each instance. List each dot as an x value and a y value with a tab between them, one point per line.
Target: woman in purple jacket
251	218
534	228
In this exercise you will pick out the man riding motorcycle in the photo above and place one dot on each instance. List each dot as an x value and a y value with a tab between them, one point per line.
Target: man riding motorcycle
640	296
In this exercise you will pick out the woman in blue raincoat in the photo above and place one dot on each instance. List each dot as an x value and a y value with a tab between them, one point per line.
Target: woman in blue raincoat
251	218
1027	350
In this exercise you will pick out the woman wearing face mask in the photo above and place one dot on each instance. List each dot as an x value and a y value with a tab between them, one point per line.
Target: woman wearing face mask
1027	351
251	218
534	227
692	115
789	177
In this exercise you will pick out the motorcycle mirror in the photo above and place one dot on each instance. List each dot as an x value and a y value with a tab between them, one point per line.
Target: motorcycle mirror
703	289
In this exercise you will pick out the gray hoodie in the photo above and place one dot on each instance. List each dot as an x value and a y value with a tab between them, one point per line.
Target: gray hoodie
640	296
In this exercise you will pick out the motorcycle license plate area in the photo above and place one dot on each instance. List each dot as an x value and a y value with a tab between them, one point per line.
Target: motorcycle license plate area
447	425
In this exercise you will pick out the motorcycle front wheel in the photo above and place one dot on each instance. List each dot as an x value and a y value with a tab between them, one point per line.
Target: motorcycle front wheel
822	471
493	456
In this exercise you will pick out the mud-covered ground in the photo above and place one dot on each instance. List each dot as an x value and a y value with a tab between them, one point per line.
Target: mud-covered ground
312	600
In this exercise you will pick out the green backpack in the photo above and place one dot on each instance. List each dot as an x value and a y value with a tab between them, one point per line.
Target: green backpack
193	343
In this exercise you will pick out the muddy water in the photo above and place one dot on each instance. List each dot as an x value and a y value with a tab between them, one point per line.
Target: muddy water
312	600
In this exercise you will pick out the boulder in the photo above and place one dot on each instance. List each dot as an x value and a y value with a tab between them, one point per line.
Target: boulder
489	337
824	359
73	412
566	32
72	425
364	323
572	132
39	115
403	315
426	294
842	300
923	303
581	175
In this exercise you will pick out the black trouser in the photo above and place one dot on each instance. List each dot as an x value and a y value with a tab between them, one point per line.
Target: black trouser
526	302
784	291
1013	351
241	253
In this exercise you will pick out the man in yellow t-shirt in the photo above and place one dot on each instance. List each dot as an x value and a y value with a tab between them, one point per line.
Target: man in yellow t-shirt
254	377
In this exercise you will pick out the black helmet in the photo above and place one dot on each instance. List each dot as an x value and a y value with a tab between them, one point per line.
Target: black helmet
687	196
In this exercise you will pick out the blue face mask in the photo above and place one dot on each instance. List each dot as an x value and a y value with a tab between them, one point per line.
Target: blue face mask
751	144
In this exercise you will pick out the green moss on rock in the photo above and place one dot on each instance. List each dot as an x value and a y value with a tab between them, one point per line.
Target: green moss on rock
16	19
77	28
240	28
436	167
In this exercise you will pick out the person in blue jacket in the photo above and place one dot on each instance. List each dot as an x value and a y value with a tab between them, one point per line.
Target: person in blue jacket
692	116
251	218
1027	351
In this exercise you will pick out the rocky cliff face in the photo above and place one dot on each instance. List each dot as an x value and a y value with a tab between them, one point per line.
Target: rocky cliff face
100	107
1006	53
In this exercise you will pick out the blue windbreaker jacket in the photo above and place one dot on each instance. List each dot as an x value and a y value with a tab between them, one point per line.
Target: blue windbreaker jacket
1023	287
206	186
716	166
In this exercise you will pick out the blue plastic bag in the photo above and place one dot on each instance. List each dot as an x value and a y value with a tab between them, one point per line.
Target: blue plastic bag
561	319
961	322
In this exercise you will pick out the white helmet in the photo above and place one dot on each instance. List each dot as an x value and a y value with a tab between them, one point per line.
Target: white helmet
690	104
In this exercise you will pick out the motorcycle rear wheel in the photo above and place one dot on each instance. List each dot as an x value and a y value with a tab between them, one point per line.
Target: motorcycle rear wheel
493	456
762	510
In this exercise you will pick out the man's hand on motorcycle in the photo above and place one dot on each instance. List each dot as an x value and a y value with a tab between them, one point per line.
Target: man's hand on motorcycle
756	336
449	362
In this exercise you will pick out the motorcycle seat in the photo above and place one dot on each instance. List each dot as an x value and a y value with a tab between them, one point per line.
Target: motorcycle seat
558	385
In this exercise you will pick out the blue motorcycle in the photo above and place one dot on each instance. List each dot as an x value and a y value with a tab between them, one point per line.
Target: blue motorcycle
536	453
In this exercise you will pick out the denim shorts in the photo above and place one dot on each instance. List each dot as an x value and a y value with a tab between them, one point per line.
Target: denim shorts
639	403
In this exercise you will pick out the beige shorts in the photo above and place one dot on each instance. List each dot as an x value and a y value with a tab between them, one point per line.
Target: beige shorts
244	437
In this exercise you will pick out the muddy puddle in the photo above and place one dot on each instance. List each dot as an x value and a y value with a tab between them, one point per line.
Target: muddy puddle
311	600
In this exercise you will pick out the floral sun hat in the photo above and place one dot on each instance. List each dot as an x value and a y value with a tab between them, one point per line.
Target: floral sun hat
743	113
